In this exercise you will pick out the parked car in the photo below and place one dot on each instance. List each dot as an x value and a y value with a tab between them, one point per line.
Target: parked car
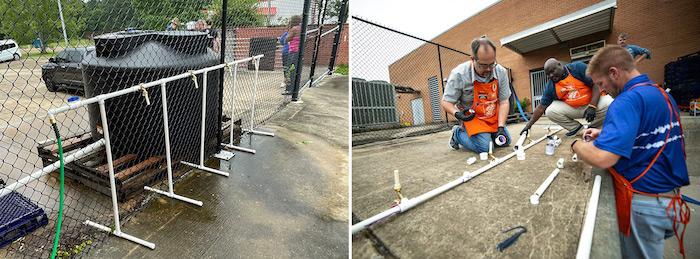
9	50
64	71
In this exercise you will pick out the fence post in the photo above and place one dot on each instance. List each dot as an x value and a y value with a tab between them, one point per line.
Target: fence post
222	59
336	40
317	44
302	43
442	81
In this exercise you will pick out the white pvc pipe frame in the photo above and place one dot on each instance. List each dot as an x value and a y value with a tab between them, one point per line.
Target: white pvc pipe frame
100	99
410	203
586	240
250	130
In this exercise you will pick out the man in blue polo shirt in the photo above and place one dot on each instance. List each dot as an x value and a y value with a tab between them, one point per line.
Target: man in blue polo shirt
638	53
569	95
642	128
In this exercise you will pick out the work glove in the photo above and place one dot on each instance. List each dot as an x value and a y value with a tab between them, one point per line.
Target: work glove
526	130
501	132
589	113
464	115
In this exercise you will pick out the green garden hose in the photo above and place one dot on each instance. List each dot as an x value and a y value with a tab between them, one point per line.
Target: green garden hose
61	189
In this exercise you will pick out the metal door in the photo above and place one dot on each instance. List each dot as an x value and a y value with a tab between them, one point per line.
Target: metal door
418	113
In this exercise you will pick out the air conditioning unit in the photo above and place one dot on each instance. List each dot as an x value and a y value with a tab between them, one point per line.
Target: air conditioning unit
585	51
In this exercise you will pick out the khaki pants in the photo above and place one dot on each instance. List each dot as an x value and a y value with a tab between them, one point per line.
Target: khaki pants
565	115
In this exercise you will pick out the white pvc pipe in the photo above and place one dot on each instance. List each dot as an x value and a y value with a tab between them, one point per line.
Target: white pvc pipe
252	112
204	168
166	128
110	165
233	95
410	203
52	167
586	240
121	234
135	88
329	31
535	198
520	141
204	119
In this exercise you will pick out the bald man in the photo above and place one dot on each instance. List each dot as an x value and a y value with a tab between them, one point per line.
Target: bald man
569	95
477	93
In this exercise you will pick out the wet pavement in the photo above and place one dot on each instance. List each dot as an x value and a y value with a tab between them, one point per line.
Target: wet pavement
287	200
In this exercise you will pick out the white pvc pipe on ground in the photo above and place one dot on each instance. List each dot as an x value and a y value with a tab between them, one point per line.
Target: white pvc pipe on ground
121	234
535	198
410	203
52	167
586	240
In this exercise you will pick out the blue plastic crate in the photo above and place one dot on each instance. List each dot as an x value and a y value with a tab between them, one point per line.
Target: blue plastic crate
18	217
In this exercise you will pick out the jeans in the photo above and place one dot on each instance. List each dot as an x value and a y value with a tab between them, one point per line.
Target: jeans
650	227
479	142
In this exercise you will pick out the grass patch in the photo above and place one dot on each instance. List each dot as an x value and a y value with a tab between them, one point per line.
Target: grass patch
37	55
342	69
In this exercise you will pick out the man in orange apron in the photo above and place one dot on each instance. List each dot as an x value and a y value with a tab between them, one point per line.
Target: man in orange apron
642	145
569	95
477	93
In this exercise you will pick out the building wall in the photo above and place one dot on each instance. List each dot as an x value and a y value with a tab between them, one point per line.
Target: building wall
670	29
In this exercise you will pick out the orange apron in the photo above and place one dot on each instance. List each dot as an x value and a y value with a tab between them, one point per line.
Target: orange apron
572	91
624	190
485	106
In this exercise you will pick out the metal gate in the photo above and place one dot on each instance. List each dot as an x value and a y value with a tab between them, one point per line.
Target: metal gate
538	79
373	104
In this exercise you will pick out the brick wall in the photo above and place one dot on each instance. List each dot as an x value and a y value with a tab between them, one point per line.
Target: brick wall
240	45
670	29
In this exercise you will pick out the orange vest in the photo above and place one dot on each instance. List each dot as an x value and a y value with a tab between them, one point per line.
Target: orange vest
624	190
485	106
572	91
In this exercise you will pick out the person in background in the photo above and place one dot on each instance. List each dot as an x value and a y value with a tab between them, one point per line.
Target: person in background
174	25
570	95
285	56
638	53
293	39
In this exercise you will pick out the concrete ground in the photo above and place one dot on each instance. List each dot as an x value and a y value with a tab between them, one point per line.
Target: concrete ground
288	200
467	220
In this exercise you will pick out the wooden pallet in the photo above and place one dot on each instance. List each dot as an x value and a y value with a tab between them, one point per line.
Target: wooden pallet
92	171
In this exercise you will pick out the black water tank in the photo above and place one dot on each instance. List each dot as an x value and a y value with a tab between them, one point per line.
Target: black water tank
125	59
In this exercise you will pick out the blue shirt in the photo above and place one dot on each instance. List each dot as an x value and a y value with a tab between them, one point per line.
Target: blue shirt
637	51
578	71
285	46
635	129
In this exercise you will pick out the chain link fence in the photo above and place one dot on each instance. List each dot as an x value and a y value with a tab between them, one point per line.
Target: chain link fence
398	82
58	53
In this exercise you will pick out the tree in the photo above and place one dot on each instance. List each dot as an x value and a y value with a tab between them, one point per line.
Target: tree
333	10
240	13
25	20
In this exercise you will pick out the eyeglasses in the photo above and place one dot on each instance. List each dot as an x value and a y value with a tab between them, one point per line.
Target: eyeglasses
486	66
